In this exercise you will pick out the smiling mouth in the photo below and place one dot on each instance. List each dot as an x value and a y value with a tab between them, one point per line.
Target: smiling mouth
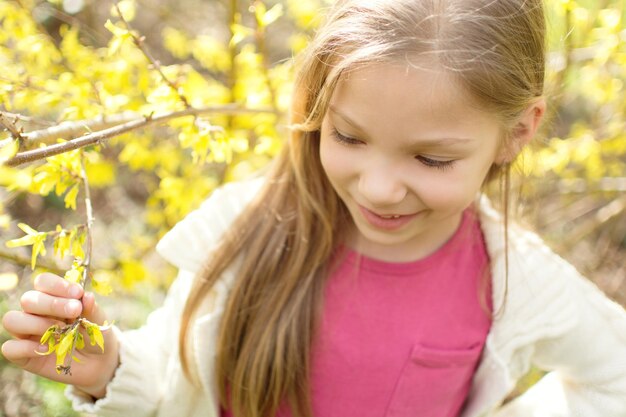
387	221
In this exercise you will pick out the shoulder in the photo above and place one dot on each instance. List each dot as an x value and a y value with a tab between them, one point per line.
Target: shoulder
186	245
542	293
536	294
528	253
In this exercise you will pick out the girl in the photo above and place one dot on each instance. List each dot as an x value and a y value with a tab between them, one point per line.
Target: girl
365	275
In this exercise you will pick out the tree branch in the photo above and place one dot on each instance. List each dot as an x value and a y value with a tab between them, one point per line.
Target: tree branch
97	137
72	129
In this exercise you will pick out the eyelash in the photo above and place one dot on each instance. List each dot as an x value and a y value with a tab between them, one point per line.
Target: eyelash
434	163
344	140
429	162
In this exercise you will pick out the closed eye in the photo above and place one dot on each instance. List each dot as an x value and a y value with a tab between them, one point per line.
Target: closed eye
344	140
435	163
429	162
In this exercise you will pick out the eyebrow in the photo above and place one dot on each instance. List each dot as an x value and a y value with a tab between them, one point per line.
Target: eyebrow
421	142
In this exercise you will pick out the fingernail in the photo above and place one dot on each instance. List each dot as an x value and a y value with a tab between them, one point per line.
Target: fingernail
75	292
42	348
72	308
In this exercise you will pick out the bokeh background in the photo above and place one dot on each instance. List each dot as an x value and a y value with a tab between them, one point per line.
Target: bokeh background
74	67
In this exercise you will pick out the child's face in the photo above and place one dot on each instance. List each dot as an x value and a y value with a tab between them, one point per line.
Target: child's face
405	142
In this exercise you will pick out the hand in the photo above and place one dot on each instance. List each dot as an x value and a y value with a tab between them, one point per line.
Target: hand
55	300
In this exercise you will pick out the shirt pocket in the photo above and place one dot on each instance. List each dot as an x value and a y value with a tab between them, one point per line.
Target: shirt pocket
434	382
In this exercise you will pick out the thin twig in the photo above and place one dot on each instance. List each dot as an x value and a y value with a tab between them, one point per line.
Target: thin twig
96	137
140	42
10	125
74	22
90	220
26	119
66	368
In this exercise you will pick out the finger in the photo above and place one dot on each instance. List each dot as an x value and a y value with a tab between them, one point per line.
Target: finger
23	326
91	310
21	352
55	285
35	302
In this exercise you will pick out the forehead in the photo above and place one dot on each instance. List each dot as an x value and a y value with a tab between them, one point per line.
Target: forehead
408	98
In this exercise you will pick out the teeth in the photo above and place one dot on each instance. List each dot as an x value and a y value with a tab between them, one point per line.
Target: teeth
390	217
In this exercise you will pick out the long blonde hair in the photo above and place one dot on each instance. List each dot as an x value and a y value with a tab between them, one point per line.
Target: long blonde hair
285	239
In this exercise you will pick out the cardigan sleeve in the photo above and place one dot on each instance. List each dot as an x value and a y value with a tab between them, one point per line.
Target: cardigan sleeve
586	365
144	356
147	354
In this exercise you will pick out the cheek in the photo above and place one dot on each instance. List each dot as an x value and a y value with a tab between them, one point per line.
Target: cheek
334	161
443	196
449	190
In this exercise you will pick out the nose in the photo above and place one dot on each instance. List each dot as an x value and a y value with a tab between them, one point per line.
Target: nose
382	186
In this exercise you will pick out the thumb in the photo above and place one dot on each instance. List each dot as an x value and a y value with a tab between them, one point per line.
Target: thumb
91	309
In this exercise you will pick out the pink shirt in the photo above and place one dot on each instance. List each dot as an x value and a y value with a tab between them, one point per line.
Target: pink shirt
401	339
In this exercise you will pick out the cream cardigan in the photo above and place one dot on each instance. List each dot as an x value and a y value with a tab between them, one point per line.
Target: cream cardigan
553	319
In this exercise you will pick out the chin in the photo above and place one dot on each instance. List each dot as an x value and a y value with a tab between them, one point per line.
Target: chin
382	238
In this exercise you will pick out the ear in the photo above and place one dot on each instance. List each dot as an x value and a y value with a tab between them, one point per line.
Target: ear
523	132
